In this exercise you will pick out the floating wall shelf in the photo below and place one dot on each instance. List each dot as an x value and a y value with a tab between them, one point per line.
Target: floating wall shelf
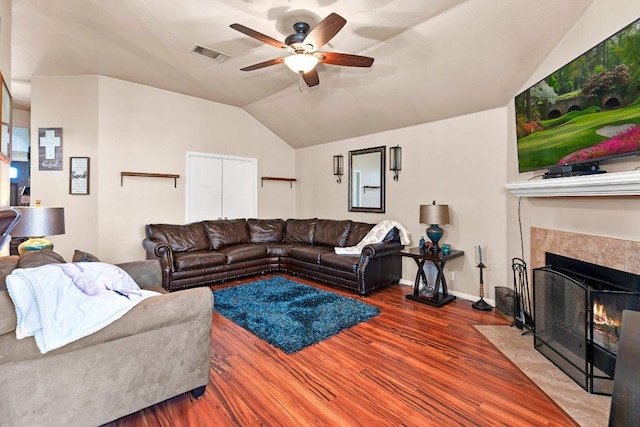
151	175
271	178
606	184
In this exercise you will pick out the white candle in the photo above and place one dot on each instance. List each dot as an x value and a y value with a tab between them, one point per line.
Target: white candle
479	254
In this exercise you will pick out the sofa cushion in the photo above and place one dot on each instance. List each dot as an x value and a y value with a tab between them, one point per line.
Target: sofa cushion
341	262
331	233
39	258
279	249
309	253
357	231
227	232
81	256
266	230
193	260
7	265
244	252
181	238
7	317
300	230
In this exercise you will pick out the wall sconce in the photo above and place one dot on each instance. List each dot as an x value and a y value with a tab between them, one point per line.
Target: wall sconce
395	160
338	167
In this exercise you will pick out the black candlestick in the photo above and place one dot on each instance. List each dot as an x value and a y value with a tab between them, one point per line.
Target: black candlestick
481	304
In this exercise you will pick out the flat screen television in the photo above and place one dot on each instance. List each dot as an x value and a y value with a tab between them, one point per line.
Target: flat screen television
585	112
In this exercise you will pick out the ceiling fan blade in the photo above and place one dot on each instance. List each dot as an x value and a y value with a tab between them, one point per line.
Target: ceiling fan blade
344	59
324	31
259	36
262	64
311	78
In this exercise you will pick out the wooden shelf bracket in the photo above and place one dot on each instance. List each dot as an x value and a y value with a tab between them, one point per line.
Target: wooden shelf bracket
271	178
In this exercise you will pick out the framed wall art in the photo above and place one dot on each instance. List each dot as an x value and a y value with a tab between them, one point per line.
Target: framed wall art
50	149
79	175
6	111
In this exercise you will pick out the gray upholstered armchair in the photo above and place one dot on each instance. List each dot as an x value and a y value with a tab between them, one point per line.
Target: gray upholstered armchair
159	349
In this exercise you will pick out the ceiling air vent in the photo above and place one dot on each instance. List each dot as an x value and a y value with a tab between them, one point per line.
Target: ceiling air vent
209	53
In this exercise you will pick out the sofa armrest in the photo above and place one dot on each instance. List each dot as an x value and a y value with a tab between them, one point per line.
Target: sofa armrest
7	313
375	250
162	251
147	274
156	248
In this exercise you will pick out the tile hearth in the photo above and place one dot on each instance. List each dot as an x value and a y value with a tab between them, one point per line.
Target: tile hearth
589	410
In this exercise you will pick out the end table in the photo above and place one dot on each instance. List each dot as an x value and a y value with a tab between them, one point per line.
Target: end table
439	297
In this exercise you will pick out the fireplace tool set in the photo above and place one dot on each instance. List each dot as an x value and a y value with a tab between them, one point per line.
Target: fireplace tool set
522	313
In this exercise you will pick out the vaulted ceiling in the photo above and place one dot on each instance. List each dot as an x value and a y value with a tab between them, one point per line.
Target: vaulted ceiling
433	59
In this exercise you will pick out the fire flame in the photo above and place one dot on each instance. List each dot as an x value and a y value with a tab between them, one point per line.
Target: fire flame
600	316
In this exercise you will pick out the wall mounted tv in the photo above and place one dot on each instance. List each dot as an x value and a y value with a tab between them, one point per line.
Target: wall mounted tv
585	112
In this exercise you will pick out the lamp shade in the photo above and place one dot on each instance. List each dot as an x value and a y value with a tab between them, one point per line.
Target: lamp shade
434	214
39	222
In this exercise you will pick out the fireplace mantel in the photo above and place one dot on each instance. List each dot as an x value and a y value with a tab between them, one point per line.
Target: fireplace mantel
606	184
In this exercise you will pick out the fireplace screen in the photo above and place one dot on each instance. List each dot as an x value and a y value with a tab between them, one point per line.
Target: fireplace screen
578	313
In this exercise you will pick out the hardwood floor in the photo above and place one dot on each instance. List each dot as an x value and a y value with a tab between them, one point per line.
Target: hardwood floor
413	365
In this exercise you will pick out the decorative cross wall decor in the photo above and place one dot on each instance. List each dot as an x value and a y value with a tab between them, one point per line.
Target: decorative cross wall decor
50	149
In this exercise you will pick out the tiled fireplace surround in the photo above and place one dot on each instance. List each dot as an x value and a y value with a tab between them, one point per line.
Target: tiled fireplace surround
613	253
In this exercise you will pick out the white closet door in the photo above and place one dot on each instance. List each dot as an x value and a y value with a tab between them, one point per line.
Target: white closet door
238	184
204	192
220	187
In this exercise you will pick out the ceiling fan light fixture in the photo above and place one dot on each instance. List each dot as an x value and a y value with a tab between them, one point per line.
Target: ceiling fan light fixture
301	62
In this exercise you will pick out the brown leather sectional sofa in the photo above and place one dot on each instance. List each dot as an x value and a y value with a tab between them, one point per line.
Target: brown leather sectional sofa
206	252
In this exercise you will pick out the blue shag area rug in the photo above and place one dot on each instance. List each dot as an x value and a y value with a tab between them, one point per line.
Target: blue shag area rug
290	315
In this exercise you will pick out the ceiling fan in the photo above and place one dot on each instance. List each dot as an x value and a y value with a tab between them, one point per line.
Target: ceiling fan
303	47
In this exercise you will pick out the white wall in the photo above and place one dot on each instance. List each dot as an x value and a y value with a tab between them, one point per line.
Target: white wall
460	162
72	104
21	118
124	126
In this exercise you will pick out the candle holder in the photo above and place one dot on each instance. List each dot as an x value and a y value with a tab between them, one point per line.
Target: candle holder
481	304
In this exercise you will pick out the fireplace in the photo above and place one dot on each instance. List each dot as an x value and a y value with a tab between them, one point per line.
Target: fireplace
577	309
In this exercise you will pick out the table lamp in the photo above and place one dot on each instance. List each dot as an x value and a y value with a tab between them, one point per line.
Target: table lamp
35	223
434	215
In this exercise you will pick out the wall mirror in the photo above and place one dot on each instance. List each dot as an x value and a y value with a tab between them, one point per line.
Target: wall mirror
366	180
